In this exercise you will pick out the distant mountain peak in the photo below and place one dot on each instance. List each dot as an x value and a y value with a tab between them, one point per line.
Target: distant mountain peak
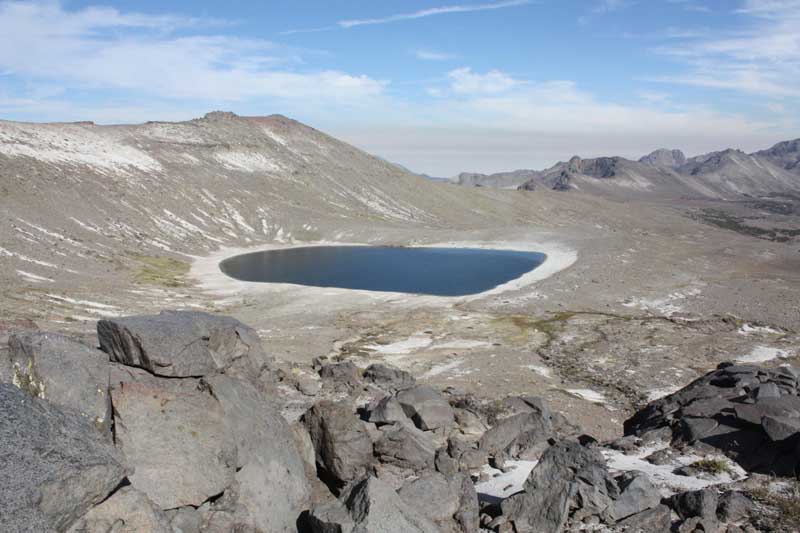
664	157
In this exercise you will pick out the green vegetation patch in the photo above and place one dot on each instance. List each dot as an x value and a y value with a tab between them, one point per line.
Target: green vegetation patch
712	466
163	271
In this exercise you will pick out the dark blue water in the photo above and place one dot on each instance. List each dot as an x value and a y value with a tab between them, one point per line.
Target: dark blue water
437	271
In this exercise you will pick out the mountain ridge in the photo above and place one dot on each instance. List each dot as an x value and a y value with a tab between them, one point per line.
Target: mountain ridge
725	174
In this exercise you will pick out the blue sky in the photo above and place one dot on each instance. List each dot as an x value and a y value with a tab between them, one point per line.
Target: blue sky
440	86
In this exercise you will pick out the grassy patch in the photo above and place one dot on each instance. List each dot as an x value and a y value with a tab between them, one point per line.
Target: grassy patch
783	512
164	271
724	220
712	466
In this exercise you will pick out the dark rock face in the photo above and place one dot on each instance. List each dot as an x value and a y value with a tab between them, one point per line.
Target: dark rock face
345	377
53	464
569	482
343	446
182	343
750	413
449	502
64	371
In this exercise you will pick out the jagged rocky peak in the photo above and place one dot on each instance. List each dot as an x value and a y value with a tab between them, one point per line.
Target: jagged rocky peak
220	115
664	157
785	154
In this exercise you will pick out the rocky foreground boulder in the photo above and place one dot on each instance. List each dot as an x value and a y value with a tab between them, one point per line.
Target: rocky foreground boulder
750	413
175	425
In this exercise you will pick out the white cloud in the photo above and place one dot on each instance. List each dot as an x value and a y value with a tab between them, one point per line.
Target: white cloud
464	81
432	55
763	59
101	48
430	12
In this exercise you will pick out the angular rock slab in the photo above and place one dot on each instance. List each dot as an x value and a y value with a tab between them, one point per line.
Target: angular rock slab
53	465
174	433
406	447
449	502
427	408
388	378
273	487
341	442
182	343
375	507
126	511
64	371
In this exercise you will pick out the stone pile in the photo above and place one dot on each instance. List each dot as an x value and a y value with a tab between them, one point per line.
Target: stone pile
174	425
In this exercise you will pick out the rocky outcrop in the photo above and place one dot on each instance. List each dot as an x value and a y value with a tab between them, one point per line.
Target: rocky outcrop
53	463
126	511
750	413
182	343
569	482
64	371
174	433
426	407
664	158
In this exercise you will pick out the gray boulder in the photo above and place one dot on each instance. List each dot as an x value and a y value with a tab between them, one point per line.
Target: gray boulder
183	343
375	507
427	408
273	488
406	447
341	442
655	520
449	502
516	434
176	436
330	518
570	481
342	377
637	494
388	378
126	511
387	410
185	520
53	465
64	371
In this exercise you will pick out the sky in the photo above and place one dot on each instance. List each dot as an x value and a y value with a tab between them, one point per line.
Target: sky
440	87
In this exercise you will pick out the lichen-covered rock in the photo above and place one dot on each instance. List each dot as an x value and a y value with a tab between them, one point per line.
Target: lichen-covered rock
175	434
64	371
183	343
341	442
126	511
53	465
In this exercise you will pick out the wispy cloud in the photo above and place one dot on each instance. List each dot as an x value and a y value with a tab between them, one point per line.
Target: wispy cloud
102	49
422	13
763	58
465	81
433	55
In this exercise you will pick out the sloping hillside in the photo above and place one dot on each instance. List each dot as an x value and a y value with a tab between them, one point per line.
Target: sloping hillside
189	187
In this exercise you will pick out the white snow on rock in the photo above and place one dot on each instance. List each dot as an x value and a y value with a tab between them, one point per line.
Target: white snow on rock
504	484
413	343
760	354
663	476
247	161
73	145
461	344
747	330
589	395
27	276
443	368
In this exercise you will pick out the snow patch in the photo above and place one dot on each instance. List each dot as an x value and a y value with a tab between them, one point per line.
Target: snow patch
760	354
504	484
33	277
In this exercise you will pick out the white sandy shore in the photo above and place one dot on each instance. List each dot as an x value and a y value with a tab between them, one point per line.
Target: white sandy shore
206	273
